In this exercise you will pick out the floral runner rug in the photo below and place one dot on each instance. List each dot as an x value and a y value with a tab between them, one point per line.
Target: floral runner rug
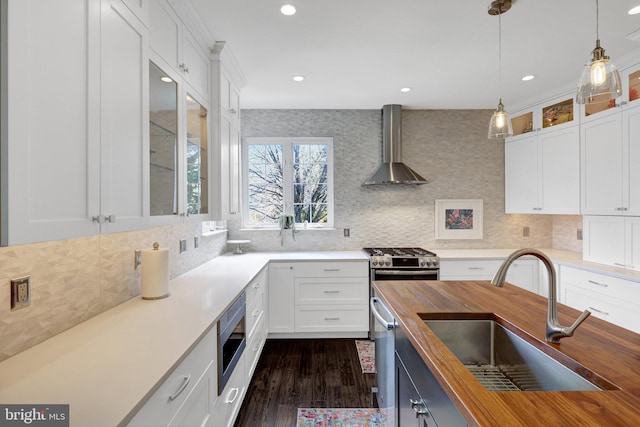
340	417
367	356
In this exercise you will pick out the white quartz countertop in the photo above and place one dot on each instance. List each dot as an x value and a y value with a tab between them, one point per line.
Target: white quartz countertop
106	367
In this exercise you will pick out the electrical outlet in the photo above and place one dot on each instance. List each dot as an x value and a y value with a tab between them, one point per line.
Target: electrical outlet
20	292
347	232
579	234
183	245
196	242
525	231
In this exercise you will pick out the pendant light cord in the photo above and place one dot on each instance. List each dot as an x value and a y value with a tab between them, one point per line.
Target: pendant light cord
500	50
597	21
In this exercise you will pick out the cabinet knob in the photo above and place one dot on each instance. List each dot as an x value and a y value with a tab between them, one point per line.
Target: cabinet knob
232	110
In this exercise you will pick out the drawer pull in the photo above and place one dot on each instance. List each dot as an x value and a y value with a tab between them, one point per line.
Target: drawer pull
331	318
256	312
624	265
331	292
476	268
235	392
604	285
331	269
185	382
599	311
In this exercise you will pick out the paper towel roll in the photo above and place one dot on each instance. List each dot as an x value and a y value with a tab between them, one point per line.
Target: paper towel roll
155	273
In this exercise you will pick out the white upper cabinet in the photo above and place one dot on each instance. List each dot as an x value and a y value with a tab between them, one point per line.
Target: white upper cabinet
542	160
71	126
173	40
521	175
610	159
140	8
227	81
124	134
52	185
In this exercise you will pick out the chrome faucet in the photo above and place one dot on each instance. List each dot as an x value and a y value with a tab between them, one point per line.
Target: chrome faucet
555	331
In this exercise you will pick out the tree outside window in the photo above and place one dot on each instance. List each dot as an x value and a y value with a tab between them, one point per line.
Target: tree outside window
289	175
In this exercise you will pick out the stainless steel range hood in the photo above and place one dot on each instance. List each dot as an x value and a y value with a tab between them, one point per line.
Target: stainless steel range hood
392	170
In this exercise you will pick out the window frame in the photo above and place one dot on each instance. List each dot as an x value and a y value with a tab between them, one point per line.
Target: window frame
287	154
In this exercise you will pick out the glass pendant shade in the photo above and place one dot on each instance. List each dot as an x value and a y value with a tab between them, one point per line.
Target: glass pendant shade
600	79
500	124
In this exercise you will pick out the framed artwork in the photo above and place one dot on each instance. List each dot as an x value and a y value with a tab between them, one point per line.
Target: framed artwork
458	219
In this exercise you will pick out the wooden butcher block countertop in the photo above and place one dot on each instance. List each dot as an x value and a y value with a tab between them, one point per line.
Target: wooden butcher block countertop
610	352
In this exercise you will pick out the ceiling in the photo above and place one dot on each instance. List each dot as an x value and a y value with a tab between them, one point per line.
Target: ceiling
358	54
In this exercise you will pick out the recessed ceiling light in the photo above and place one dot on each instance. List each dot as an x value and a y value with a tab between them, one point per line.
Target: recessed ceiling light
166	79
288	9
405	89
634	10
298	78
528	77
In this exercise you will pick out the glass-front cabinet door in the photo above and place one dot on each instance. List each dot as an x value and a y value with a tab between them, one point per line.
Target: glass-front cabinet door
179	150
163	143
197	158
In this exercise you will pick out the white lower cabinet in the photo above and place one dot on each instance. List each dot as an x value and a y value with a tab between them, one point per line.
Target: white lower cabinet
523	273
609	298
225	409
196	410
189	396
281	297
469	269
183	387
319	298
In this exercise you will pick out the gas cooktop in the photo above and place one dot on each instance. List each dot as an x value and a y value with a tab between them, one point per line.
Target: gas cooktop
409	258
398	252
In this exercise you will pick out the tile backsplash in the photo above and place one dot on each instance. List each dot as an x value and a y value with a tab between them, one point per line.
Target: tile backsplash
74	280
448	147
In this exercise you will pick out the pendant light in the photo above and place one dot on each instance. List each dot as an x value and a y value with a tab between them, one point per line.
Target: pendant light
600	79
500	124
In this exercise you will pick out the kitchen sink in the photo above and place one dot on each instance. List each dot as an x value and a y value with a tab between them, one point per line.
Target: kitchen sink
503	361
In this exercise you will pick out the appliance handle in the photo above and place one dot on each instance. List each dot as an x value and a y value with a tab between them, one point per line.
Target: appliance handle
406	272
384	322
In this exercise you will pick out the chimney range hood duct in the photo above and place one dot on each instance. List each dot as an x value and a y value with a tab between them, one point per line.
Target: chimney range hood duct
392	170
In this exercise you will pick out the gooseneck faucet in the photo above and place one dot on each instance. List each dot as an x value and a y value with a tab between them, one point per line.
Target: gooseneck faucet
555	331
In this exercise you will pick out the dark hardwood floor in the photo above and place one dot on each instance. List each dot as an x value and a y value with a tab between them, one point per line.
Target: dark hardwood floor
305	373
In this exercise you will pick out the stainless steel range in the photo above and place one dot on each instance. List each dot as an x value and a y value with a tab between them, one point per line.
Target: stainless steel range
393	264
403	264
400	264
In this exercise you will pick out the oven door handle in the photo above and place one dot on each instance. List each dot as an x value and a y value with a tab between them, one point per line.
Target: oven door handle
406	272
384	322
